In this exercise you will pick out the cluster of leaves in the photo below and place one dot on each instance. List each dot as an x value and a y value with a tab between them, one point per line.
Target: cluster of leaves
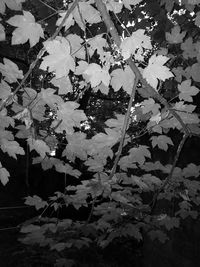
122	172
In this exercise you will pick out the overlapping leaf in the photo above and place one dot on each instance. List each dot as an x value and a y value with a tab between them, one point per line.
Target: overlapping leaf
10	71
59	58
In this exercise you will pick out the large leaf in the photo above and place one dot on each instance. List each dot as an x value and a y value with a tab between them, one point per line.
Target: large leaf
135	45
97	74
11	147
156	70
27	29
59	58
69	117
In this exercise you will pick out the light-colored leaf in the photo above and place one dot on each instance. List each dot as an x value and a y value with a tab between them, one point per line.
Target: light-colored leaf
27	29
139	154
187	91
12	4
68	22
59	58
123	78
129	3
11	147
4	175
77	48
135	45
40	146
69	116
64	85
10	71
5	90
156	70
97	74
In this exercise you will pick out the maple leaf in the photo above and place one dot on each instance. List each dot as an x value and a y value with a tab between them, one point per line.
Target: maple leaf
64	85
168	4
11	147
2	33
12	4
169	222
188	48
155	70
97	75
59	58
117	123
149	105
98	43
158	234
68	22
175	37
135	44
128	3
86	12
195	72
76	147
69	116
66	168
4	175
187	91
27	29
48	96
114	6
5	90
139	154
38	145
162	141
77	49
10	71
35	201
123	78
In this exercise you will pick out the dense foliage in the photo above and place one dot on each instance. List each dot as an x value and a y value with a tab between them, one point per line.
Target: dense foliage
99	91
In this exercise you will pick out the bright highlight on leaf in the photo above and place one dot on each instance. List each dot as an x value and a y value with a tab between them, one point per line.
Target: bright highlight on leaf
155	70
59	58
27	29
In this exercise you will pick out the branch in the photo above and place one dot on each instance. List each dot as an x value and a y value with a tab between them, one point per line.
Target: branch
170	176
9	99
138	77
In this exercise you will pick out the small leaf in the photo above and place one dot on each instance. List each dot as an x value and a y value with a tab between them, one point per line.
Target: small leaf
175	37
187	91
11	147
10	71
139	154
162	141
36	201
4	175
40	146
158	234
